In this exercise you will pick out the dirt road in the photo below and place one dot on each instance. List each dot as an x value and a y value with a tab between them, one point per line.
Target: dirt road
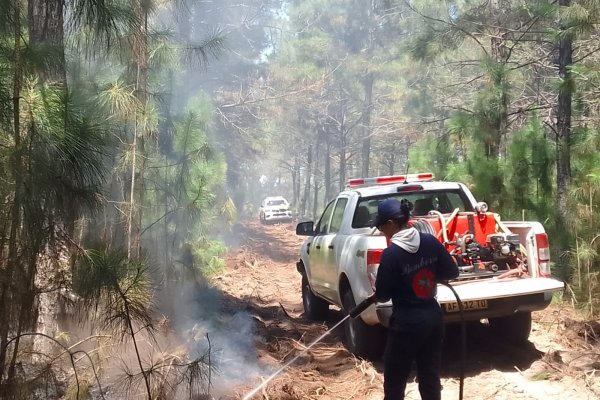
561	362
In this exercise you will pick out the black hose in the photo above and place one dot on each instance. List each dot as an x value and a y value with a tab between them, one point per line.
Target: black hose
362	306
463	338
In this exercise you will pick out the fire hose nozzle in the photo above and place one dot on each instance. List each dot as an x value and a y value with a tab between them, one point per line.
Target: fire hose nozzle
362	306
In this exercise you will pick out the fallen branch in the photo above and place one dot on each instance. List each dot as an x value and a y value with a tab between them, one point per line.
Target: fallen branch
284	311
553	367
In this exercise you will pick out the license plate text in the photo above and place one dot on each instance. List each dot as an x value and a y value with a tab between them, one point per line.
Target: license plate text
467	305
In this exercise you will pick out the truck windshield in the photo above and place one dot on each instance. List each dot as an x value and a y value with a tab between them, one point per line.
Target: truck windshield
276	202
423	201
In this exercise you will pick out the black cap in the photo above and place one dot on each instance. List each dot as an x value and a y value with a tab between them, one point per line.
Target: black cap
388	209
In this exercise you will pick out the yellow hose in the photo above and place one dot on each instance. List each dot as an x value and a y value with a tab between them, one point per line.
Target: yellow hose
444	222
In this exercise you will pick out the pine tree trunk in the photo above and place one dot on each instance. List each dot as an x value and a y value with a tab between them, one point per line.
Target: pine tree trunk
296	182
308	173
315	204
366	122
6	301
500	55
45	24
46	28
140	50
327	168
563	133
343	144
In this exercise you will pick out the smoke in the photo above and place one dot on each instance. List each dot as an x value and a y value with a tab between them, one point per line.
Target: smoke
195	324
233	350
192	317
200	321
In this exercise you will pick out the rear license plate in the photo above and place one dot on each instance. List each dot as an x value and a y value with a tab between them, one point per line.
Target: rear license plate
467	305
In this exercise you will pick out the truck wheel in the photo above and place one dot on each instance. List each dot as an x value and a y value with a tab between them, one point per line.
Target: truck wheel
315	308
362	340
513	328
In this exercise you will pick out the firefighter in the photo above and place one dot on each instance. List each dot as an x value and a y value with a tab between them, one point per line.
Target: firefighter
408	274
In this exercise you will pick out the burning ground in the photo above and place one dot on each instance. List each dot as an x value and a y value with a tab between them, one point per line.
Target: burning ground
561	362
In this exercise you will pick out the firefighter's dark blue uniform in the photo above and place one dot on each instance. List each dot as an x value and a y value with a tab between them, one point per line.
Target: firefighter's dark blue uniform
416	328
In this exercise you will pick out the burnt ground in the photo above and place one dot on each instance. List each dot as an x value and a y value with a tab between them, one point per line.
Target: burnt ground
562	360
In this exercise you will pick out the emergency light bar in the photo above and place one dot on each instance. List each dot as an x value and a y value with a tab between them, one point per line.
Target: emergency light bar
387	180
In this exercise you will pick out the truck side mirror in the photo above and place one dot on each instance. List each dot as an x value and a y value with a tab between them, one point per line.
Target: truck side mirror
305	228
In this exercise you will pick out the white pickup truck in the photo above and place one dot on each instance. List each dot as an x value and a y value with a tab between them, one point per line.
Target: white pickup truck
504	266
275	209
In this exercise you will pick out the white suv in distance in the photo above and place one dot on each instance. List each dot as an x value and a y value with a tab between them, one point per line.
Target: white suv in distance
275	209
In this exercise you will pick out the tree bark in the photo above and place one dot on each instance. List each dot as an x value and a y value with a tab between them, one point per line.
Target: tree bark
500	55
46	28
366	122
563	132
308	173
343	147
140	51
296	182
327	167
17	175
315	181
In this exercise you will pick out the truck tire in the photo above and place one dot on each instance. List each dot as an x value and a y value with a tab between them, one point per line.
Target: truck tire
362	340
315	308
513	328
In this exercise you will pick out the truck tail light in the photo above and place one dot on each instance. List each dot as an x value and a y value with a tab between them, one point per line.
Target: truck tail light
543	251
373	258
409	188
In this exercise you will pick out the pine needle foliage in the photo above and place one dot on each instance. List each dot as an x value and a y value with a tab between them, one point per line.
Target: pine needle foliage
68	147
106	20
211	48
118	99
114	290
55	149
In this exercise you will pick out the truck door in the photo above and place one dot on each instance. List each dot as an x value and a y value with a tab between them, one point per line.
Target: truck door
318	251
332	244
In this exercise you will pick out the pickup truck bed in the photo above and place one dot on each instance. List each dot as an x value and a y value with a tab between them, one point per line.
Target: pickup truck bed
498	296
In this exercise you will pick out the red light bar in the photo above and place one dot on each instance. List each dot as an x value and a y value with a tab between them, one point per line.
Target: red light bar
386	180
382	180
356	182
425	176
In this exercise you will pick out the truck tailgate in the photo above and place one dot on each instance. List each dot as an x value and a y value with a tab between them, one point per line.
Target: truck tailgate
495	288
